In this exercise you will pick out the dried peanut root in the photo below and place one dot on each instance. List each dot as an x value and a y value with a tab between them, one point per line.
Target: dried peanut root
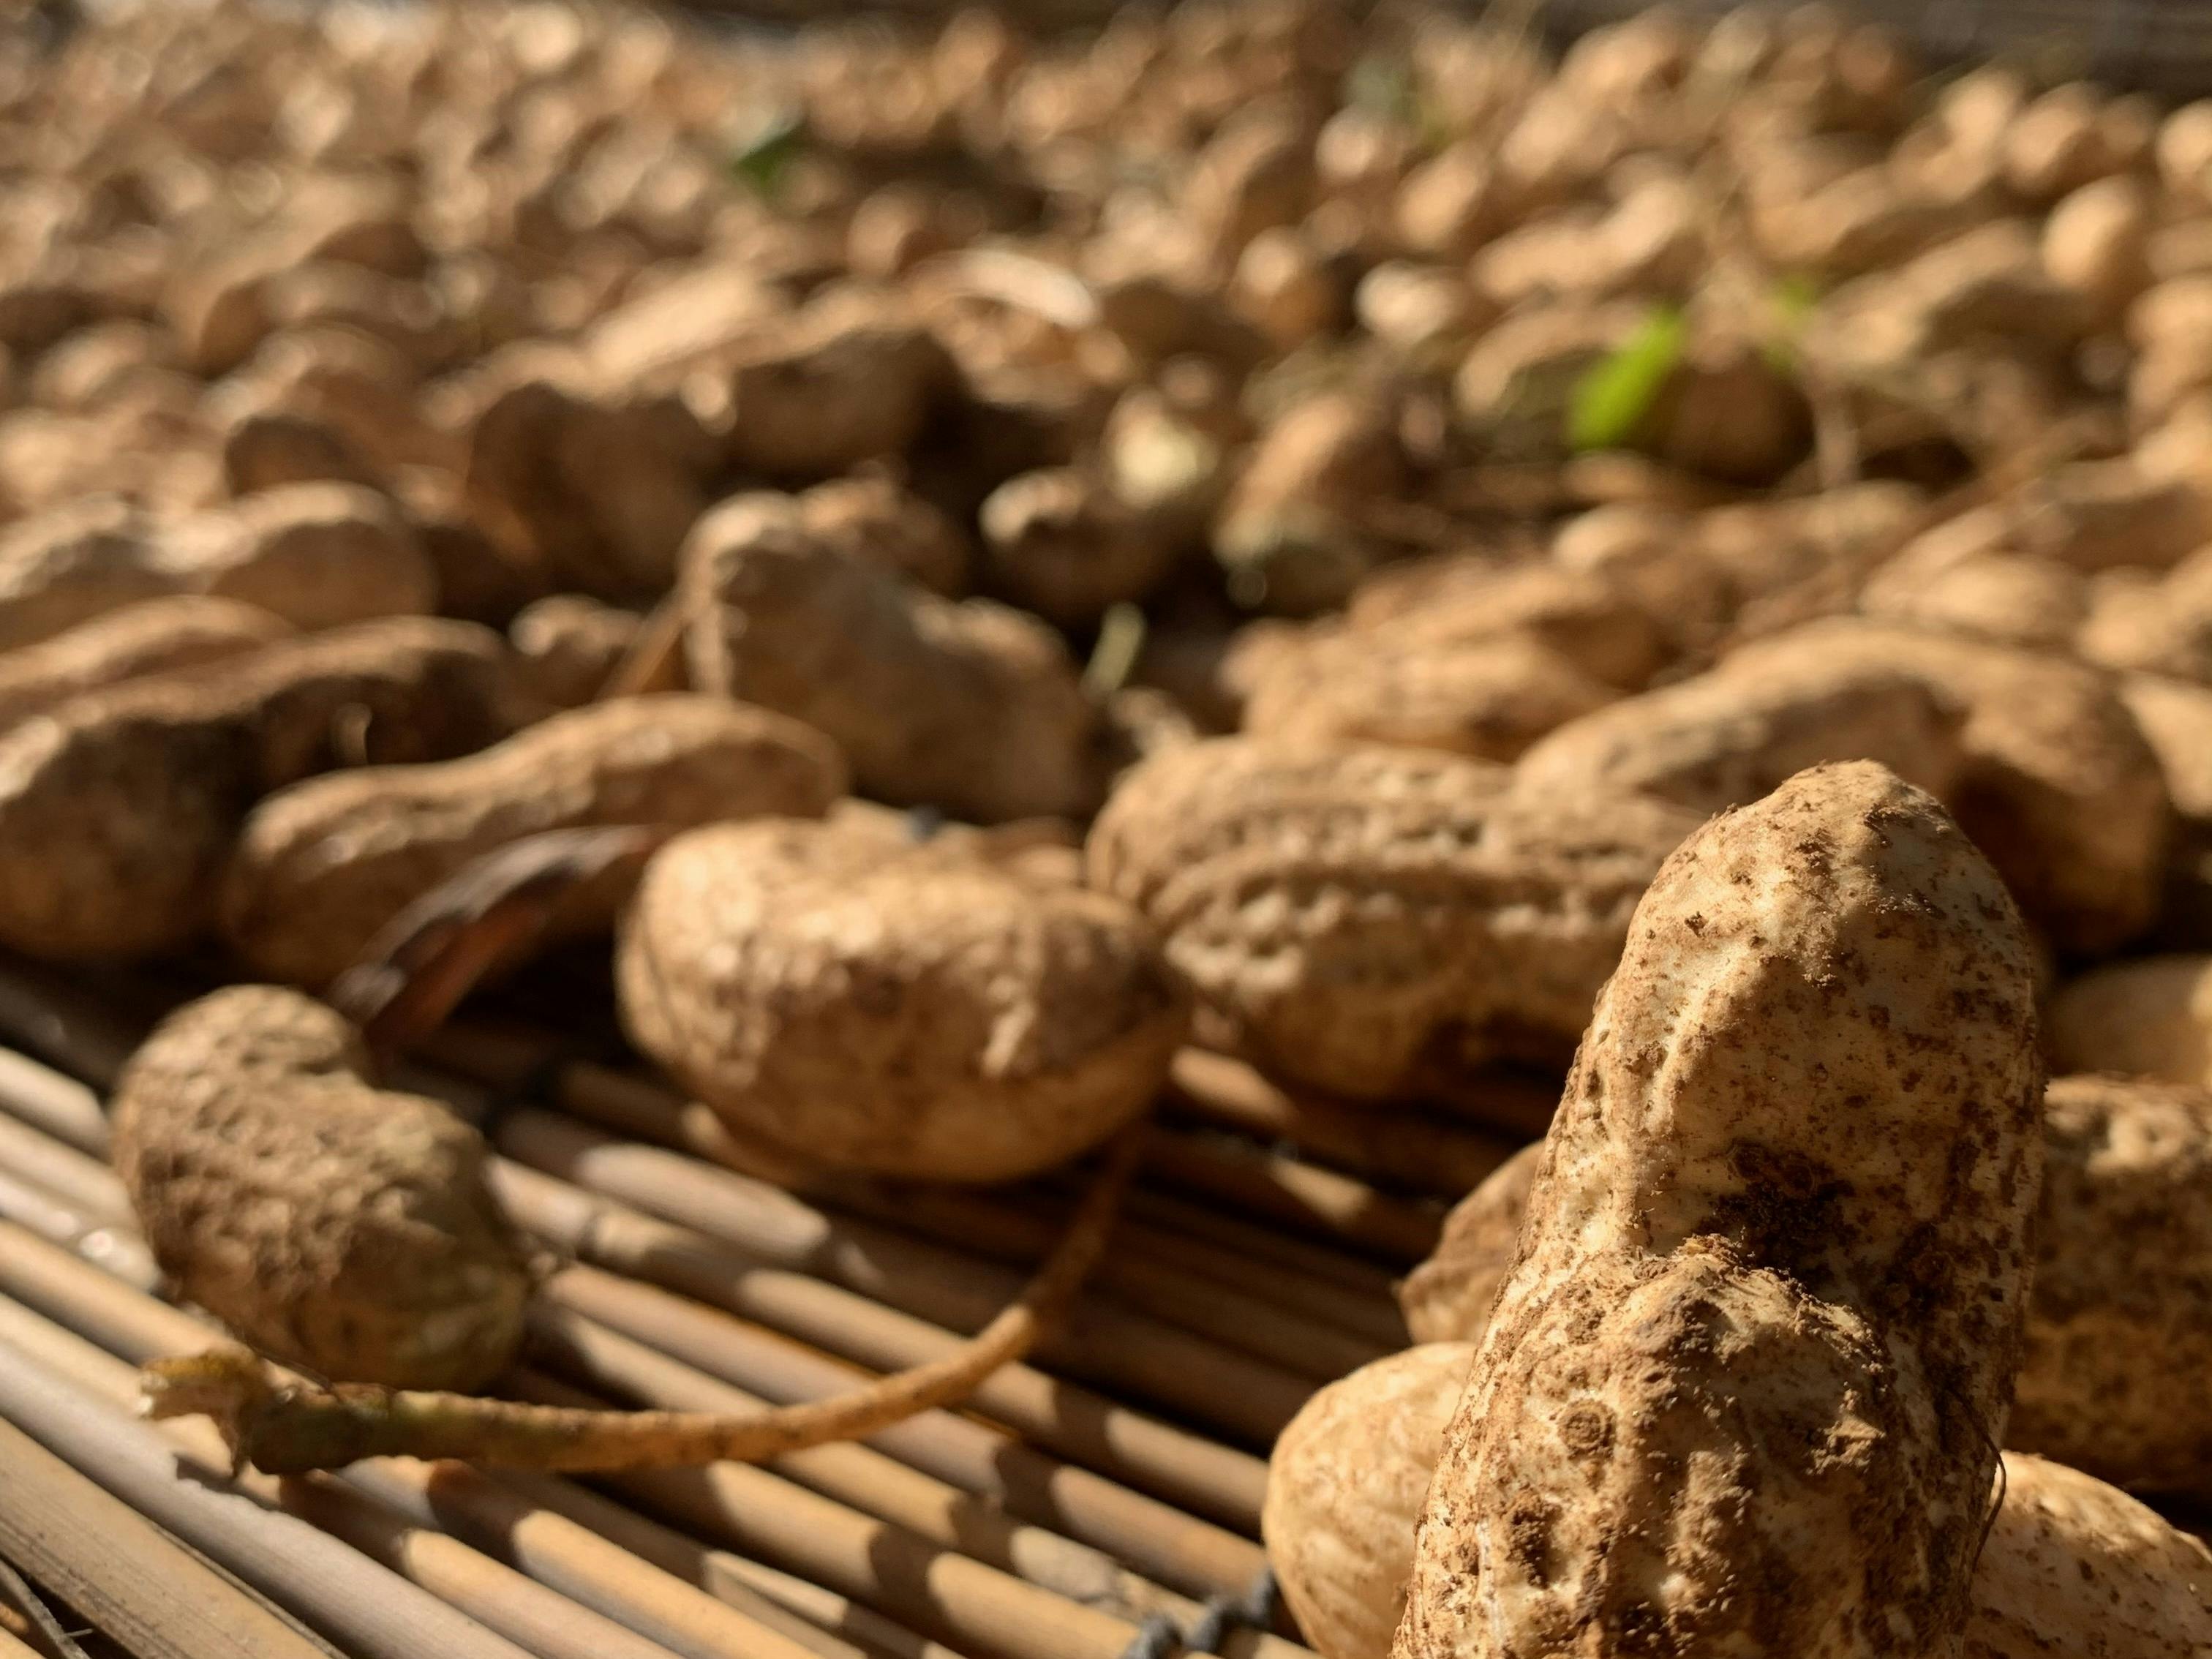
287	1428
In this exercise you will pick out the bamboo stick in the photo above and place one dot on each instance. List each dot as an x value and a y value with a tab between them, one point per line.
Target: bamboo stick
861	1478
54	1103
1301	1195
1190	1554
121	1571
79	1297
827	1609
715	1571
508	1523
938	1591
502	1600
1087	1428
1233	1300
84	1185
369	1612
636	1109
118	1249
1229	1390
1309	1260
1377	1142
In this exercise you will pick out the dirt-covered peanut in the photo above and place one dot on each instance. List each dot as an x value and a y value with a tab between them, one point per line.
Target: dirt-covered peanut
1060	542
321	866
1745	1379
832	388
1490	698
873	519
2015	599
566	645
1377	922
915	1012
1345	1484
330	1223
1727	737
2160	627
1447	1297
2058	787
2071	1564
1597	624
2075	1565
969	705
1293	534
2119	1331
318	555
71	563
2150	1016
151	637
119	807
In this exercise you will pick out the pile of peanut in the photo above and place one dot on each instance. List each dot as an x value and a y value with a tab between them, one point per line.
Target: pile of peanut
1367	546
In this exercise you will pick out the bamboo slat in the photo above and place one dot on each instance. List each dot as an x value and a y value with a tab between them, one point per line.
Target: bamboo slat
860	1477
1082	1426
1301	1195
1227	1389
371	1612
940	1592
1180	1549
97	1552
547	1624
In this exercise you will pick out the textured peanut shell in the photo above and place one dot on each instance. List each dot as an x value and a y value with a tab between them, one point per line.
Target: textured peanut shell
910	1012
1726	738
1743	1388
1448	1297
1345	1484
567	645
2175	717
2162	627
321	866
2149	1017
1380	923
70	564
152	637
319	554
1594	622
968	706
2058	787
328	1222
2119	1330
1487	698
1059	541
118	808
2072	1566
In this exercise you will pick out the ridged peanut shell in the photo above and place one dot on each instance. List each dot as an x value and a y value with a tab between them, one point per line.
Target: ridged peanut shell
1743	1388
321	866
906	1011
1376	922
331	1223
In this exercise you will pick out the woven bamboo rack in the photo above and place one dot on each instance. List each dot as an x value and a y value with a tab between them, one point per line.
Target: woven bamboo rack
1100	1502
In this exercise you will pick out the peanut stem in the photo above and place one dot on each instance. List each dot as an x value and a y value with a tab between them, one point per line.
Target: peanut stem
283	1427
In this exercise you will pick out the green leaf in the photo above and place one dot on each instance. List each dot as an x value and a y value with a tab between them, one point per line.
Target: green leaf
761	161
1613	395
1793	300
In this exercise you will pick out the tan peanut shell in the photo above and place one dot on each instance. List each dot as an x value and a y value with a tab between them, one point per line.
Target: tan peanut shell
2119	1323
321	866
1725	737
118	808
316	555
151	637
2058	787
906	1010
2150	1016
2119	1329
1489	698
2071	1565
1745	1383
328	1222
567	645
968	706
1380	922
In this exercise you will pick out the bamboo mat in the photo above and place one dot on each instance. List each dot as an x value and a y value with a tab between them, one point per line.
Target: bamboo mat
1100	1503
